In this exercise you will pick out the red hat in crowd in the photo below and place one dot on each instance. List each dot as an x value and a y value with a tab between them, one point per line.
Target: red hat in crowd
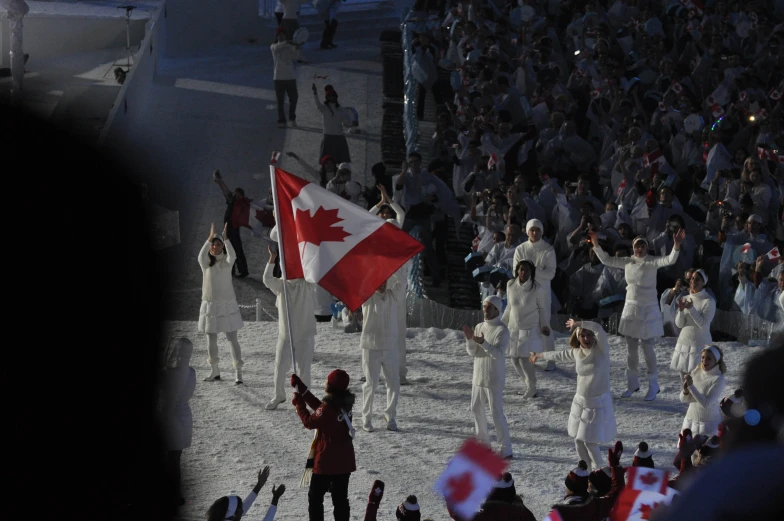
279	30
338	380
329	89
577	480
326	158
643	457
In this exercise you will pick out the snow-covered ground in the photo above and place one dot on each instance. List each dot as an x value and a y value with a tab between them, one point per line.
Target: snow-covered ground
234	436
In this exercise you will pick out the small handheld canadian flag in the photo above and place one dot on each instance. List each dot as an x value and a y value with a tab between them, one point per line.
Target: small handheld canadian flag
275	156
745	248
775	94
492	161
677	87
645	490
774	253
469	477
717	111
621	186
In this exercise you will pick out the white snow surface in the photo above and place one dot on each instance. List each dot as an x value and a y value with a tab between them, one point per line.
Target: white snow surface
234	435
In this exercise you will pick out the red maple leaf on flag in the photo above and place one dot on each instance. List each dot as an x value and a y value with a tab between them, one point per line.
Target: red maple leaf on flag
460	487
319	228
645	510
649	478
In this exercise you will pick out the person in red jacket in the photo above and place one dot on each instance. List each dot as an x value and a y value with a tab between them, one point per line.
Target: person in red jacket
597	508
333	448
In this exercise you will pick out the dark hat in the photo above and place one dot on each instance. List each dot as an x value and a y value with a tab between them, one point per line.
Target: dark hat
643	457
338	380
378	169
577	480
601	480
504	489
329	89
408	510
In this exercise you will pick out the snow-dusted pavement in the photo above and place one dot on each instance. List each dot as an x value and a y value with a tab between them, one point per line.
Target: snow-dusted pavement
234	436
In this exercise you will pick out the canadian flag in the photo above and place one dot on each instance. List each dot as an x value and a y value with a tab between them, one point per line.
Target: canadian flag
469	477
677	87
621	186
334	243
649	480
492	161
717	111
259	218
636	504
275	156
553	516
745	248
762	114
774	253
775	94
596	94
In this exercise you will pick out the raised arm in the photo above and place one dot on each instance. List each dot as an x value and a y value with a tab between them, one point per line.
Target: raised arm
672	258
216	176
231	256
273	284
204	256
604	257
314	174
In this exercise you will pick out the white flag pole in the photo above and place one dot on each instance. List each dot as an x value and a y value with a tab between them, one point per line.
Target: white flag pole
282	264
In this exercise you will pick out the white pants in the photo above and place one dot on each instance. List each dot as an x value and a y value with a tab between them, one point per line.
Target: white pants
401	334
633	361
589	453
494	397
212	348
525	369
374	361
303	351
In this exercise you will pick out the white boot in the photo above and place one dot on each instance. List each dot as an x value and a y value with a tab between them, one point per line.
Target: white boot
653	390
632	386
273	404
214	375
238	376
529	393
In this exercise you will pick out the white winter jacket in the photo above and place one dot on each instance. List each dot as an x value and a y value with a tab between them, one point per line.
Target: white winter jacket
527	311
592	365
704	396
379	318
216	284
543	257
283	55
301	296
640	274
695	331
489	360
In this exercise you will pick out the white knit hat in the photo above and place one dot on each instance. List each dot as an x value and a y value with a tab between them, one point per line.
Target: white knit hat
344	166
495	301
534	223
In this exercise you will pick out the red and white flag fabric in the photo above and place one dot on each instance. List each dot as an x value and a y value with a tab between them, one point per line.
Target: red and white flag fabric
469	478
774	94
646	479
259	218
275	156
492	161
774	253
553	516
655	157
333	242
677	87
745	248
621	186
634	505
717	111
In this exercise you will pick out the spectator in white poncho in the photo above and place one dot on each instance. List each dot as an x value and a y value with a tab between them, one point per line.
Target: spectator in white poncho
591	418
694	316
703	389
527	315
641	319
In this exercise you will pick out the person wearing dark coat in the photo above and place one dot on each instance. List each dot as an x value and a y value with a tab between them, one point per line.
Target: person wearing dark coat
332	452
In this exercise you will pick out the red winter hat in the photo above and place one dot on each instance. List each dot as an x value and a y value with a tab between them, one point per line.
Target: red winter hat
326	158
643	457
577	480
338	380
329	89
279	30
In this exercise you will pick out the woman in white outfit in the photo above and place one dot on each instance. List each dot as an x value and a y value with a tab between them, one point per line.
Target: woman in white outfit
487	343
703	389
591	419
303	326
694	317
641	319
333	143
542	255
385	209
527	316
378	342
219	311
177	385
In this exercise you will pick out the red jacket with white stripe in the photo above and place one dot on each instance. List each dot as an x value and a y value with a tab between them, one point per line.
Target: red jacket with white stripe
334	448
